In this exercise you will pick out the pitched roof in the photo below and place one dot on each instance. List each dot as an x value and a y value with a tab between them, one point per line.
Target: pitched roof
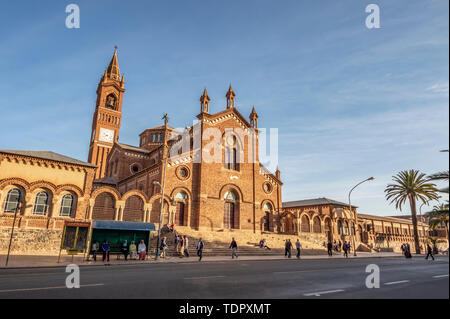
402	219
314	202
48	155
133	148
106	180
113	68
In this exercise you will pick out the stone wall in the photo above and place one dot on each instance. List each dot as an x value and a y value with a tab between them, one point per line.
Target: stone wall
31	241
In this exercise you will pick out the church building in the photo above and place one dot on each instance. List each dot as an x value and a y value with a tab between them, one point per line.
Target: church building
231	193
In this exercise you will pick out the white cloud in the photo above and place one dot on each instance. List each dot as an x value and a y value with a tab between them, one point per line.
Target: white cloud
439	88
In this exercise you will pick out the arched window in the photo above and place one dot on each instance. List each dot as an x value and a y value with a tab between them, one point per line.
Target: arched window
305	224
180	196
111	102
340	230
66	205
230	196
346	228
316	225
231	154
12	200
41	204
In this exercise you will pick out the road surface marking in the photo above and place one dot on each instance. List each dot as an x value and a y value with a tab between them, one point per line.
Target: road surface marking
440	276
48	288
396	282
293	271
205	277
317	294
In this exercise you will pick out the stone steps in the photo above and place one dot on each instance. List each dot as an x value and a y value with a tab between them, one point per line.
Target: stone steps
216	243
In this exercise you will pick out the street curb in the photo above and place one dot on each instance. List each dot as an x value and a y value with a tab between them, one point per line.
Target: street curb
194	262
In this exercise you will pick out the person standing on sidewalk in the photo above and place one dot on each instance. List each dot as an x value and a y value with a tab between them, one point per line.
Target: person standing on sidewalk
142	250
200	249
186	246
429	252
330	248
95	247
106	248
233	247
287	248
345	247
299	247
180	246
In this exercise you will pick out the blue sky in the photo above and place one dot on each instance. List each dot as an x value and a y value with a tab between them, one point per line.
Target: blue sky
349	102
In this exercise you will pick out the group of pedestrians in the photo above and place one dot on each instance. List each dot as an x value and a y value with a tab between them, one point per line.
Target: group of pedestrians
406	250
288	248
127	250
338	246
182	244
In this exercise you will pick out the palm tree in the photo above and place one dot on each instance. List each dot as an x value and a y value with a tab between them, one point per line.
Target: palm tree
441	176
412	186
438	217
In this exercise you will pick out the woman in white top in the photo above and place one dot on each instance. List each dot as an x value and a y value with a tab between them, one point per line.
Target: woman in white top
142	250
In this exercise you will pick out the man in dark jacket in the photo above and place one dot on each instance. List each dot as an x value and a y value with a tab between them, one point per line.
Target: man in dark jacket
330	248
429	252
287	248
124	249
200	249
345	248
233	247
106	248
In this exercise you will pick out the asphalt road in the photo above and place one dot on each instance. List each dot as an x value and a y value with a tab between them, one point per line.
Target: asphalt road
332	278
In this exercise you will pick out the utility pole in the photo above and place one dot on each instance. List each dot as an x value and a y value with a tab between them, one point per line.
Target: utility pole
161	208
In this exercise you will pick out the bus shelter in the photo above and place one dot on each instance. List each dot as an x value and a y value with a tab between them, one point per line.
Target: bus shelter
116	232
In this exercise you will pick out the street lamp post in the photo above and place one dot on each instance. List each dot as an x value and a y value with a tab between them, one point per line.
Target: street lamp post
18	207
356	217
161	208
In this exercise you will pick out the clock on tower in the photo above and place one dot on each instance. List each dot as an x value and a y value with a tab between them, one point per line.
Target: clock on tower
107	116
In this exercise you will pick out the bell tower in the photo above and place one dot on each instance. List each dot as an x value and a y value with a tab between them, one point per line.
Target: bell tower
107	116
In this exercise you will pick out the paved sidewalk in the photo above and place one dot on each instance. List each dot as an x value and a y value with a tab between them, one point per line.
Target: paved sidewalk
51	261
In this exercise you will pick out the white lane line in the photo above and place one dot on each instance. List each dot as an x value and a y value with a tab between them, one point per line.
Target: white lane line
396	282
205	277
293	271
319	293
440	276
48	288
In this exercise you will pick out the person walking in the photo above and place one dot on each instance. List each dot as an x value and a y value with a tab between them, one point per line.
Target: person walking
142	250
344	247
407	251
233	247
124	249
429	252
163	247
200	249
287	248
298	245
177	243
181	243
330	248
95	247
106	248
186	246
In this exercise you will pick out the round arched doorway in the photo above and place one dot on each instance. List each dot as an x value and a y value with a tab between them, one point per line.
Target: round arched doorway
231	210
